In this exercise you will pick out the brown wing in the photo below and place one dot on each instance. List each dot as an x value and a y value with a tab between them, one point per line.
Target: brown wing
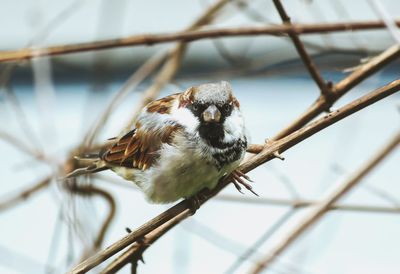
139	148
162	105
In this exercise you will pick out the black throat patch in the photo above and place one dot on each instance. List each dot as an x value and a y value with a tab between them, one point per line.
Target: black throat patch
224	152
213	134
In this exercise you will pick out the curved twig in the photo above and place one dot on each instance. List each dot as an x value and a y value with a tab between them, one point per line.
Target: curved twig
92	190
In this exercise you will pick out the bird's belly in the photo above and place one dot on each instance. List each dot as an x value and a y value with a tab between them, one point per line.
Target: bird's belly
177	174
181	180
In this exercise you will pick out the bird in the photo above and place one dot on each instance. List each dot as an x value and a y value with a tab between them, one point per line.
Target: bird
180	144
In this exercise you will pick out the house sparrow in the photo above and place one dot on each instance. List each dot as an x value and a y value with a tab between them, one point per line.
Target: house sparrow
181	144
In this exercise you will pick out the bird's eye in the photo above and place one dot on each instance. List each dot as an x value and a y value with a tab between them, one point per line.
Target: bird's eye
195	107
227	107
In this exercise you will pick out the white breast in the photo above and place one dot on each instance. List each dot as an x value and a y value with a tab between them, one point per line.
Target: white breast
182	172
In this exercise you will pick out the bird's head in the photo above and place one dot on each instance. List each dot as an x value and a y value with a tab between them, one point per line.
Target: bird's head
210	103
214	107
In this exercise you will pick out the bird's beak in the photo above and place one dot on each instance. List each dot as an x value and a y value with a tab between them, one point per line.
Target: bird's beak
211	114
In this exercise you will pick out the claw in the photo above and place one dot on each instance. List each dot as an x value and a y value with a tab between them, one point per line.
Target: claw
244	175
236	184
237	177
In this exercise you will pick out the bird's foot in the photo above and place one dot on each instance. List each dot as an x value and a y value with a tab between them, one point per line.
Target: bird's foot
194	204
239	178
196	200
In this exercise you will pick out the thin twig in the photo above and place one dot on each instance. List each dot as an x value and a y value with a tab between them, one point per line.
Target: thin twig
383	194
321	208
321	104
133	81
188	36
22	119
24	194
387	19
169	69
300	203
166	73
264	237
94	190
308	62
21	146
266	155
134	253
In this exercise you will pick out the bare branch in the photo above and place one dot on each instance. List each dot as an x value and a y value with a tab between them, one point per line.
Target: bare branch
172	65
134	253
92	190
321	104
188	36
25	194
308	62
165	75
15	142
266	235
142	73
300	203
387	19
321	208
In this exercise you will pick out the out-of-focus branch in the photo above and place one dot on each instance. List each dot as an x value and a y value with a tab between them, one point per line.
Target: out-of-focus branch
265	155
25	126
132	237
15	142
134	253
90	190
308	62
387	19
25	194
168	71
142	73
322	104
300	203
188	36
264	237
321	208
165	75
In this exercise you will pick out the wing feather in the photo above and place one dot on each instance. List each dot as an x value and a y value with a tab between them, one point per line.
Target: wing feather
140	148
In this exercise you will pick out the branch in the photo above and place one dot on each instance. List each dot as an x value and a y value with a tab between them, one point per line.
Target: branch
134	253
253	248
168	71
25	194
92	190
187	36
172	59
164	76
320	209
265	155
308	62
20	145
322	104
300	203
133	81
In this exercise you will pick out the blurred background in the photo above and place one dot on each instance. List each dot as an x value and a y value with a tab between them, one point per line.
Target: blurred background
51	108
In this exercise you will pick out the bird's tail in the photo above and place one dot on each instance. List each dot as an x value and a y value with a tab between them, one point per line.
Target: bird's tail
92	163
